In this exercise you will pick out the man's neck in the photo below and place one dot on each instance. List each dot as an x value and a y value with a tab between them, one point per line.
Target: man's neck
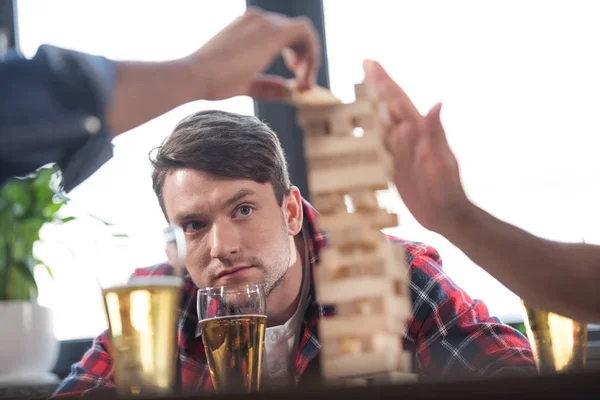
285	298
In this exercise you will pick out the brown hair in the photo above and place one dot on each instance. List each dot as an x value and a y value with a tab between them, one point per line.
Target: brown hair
224	144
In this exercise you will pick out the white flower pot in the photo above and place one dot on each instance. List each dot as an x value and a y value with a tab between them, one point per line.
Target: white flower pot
28	346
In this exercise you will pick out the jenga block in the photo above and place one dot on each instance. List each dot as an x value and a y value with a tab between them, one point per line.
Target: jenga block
333	146
334	327
378	219
317	129
364	91
374	342
335	264
348	178
364	200
333	292
328	203
315	96
360	365
350	112
359	236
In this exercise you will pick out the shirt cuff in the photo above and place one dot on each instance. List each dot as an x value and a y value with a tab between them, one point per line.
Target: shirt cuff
92	77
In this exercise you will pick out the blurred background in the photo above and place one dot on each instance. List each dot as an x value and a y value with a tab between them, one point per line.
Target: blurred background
519	82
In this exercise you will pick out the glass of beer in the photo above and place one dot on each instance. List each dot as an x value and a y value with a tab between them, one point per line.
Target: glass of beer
559	344
142	319
233	320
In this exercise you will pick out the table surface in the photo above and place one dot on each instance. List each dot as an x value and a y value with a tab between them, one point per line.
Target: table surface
582	385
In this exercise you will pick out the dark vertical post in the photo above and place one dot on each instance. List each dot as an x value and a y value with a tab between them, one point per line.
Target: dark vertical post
8	25
282	118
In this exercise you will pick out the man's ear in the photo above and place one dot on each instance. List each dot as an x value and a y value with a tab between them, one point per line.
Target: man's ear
293	212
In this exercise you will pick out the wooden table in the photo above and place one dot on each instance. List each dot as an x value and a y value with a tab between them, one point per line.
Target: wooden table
583	385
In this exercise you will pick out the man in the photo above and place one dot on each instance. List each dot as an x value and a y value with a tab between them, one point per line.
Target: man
559	277
65	107
223	178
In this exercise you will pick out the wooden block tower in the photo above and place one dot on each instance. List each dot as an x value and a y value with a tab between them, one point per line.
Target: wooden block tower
360	274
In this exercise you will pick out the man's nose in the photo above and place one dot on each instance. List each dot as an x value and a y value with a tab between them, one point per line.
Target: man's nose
224	241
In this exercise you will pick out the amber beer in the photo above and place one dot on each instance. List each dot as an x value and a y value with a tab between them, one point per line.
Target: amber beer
142	317
559	344
234	349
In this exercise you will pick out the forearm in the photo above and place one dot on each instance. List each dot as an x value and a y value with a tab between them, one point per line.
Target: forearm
562	277
146	90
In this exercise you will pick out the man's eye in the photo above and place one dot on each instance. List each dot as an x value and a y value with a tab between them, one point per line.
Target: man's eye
193	226
243	211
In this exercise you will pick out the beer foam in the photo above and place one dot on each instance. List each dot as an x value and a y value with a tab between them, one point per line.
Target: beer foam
150	281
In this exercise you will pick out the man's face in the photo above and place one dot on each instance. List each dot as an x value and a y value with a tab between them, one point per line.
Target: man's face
235	231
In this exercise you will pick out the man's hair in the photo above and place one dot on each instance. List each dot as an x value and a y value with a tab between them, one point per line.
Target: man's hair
224	144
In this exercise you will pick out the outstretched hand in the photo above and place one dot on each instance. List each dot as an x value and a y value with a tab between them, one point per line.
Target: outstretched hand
232	62
426	172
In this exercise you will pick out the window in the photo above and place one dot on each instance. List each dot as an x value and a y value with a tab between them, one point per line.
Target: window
519	84
120	192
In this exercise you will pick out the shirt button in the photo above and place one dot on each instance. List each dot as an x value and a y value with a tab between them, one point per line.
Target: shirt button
274	337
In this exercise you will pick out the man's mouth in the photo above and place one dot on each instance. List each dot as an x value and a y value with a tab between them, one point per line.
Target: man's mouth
233	272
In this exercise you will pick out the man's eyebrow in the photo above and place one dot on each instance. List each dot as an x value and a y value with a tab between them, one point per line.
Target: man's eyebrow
189	216
238	196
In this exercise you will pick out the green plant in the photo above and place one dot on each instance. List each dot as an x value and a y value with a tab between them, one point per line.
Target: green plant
26	204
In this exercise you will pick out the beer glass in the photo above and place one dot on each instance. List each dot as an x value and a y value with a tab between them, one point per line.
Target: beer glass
142	319
233	320
559	343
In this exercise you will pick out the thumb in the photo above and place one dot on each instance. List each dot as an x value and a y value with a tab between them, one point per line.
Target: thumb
432	119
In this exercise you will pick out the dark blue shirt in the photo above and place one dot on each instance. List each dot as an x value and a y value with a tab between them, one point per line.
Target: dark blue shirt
53	110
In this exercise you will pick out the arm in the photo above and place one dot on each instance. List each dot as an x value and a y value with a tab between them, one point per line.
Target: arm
562	277
554	276
453	335
65	106
93	372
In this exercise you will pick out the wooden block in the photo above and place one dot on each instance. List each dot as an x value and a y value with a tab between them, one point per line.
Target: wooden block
378	219
364	200
360	365
356	262
335	292
372	176
318	129
364	91
389	312
329	203
335	327
353	236
351	112
315	96
331	146
375	342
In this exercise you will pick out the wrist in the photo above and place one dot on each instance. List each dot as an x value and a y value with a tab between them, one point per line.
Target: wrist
460	221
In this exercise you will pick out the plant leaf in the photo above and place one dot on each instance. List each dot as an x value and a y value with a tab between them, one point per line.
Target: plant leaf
67	219
120	235
42	264
100	219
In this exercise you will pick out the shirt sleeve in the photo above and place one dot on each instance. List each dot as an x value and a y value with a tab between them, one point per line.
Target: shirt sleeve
94	371
453	335
53	110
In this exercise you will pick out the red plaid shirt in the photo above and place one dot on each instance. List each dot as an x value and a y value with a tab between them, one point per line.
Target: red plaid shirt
450	334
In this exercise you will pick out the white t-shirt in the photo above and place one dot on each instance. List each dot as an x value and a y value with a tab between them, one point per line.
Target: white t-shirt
281	341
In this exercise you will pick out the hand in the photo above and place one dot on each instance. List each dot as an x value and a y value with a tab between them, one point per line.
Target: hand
232	62
426	172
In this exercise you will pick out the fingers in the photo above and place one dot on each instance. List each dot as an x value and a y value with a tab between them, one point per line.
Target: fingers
269	88
303	52
399	105
300	46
